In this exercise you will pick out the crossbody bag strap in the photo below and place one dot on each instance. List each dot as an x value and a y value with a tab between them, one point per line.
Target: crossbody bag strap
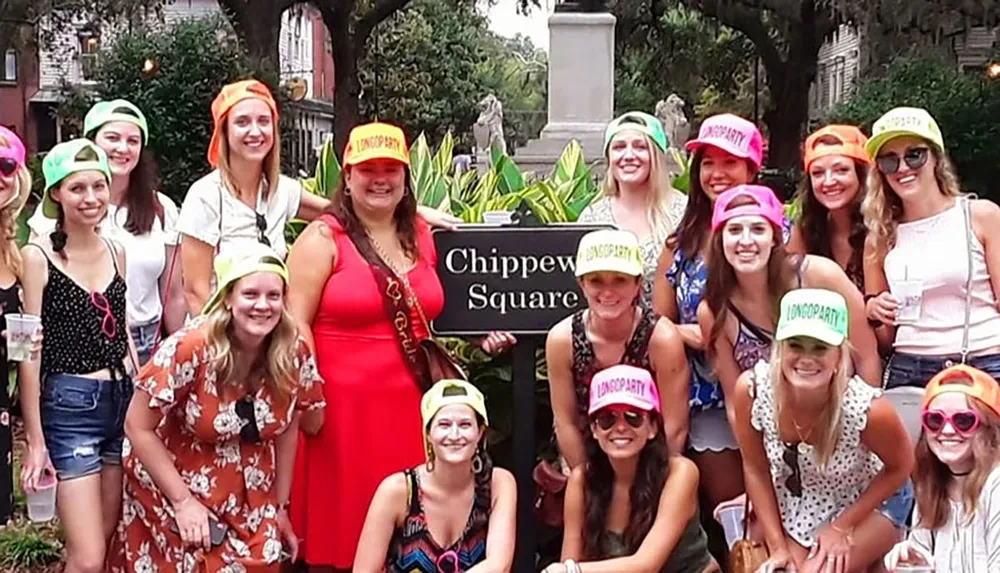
392	290
967	215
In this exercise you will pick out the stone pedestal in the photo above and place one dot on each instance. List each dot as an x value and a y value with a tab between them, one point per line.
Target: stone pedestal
581	89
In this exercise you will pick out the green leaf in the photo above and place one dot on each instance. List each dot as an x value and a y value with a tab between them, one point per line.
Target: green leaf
511	180
327	170
444	155
570	164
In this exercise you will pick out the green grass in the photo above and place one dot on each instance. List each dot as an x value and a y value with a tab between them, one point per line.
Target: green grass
23	548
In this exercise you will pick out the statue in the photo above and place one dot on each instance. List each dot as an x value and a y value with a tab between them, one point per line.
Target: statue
670	112
488	129
581	6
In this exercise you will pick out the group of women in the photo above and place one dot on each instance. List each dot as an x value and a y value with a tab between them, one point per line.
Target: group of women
200	399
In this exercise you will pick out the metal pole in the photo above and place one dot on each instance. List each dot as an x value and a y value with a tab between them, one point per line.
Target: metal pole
523	440
377	61
756	90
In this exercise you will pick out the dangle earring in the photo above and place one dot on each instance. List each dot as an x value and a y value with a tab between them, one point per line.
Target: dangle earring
477	460
430	457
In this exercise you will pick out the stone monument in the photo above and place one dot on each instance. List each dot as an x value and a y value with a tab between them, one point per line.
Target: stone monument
488	129
670	112
580	86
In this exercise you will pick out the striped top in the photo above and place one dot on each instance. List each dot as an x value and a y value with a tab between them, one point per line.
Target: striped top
414	550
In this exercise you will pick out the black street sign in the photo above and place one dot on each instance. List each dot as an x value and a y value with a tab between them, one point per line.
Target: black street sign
508	278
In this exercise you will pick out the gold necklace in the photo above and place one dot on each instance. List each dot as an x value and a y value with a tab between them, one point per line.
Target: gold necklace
411	298
798	429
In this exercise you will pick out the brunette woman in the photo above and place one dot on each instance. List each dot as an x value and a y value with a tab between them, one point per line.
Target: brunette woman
749	272
213	428
831	224
632	507
957	477
638	196
825	456
456	510
939	249
74	402
140	219
613	329
728	152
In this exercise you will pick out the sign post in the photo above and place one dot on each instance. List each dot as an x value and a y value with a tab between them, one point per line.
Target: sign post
517	278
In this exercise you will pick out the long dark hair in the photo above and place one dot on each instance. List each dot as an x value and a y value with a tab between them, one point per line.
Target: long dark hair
342	206
599	479
814	223
140	198
721	280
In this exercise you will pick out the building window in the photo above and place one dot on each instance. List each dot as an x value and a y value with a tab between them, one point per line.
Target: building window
90	48
10	66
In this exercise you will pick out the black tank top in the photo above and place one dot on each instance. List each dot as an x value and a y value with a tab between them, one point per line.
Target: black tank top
76	329
10	303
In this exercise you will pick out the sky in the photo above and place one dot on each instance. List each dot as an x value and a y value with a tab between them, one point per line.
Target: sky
505	20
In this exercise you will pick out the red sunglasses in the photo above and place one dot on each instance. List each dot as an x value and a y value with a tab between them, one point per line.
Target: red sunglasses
965	422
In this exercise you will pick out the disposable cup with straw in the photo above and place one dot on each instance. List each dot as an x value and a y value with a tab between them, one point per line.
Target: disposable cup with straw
20	329
910	294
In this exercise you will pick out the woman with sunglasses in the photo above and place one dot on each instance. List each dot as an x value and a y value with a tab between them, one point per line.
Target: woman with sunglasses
454	513
638	196
614	329
825	456
940	249
728	152
632	507
140	219
74	401
831	225
245	199
213	429
748	271
957	477
15	187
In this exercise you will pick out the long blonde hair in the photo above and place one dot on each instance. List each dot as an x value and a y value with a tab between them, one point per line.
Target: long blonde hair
661	192
10	254
831	420
882	208
278	370
271	167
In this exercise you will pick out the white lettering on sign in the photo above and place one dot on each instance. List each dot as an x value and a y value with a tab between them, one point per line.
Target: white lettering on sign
462	260
481	298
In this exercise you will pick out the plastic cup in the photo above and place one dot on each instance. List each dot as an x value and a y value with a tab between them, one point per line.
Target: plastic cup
906	568
42	502
497	217
731	519
909	294
20	329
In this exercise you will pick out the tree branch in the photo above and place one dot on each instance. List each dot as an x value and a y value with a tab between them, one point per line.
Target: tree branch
380	11
739	16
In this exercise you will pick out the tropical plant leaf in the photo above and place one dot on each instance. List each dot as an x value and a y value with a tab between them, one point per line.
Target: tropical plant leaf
444	155
328	171
511	180
682	181
570	164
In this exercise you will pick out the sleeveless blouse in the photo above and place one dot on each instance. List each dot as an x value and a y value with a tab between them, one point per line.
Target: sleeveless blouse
414	550
826	492
585	360
690	555
76	322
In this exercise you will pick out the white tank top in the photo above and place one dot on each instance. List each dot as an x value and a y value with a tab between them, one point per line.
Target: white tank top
934	250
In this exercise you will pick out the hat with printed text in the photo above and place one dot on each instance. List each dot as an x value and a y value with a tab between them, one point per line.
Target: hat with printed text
813	313
376	141
732	134
609	250
626	386
903	121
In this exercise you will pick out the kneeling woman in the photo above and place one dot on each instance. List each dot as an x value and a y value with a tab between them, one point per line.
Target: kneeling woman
632	507
825	457
457	512
957	478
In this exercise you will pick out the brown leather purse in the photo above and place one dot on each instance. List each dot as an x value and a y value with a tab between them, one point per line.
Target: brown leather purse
747	555
550	493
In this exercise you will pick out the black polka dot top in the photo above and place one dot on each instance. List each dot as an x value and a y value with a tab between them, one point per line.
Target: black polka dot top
84	331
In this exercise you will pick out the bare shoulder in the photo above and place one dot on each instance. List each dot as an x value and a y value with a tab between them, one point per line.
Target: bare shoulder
503	479
985	212
561	333
665	333
680	465
393	488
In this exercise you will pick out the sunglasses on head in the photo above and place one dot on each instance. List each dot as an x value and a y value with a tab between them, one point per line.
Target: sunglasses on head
965	422
7	166
791	458
915	158
249	432
607	419
262	230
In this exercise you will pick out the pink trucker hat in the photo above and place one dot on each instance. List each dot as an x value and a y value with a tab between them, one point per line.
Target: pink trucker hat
732	134
624	385
11	146
766	205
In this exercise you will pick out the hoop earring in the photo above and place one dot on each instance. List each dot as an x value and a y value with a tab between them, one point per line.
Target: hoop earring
477	462
430	457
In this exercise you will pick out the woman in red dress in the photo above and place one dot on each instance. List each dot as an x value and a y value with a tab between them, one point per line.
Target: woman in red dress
371	427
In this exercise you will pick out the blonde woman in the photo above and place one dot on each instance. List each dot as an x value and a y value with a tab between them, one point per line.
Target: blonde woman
212	431
638	196
825	457
15	185
957	477
925	237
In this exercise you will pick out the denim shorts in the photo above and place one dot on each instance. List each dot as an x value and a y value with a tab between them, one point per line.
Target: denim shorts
898	507
145	336
917	370
83	422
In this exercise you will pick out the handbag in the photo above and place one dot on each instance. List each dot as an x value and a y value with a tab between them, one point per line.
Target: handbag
747	555
426	358
550	492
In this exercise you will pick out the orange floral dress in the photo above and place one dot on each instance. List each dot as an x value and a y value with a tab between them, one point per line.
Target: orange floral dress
234	479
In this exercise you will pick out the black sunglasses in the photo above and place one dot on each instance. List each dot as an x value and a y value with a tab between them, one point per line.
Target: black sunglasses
249	432
7	166
915	158
791	457
261	230
606	419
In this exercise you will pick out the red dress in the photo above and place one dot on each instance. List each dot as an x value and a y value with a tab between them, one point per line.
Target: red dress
372	424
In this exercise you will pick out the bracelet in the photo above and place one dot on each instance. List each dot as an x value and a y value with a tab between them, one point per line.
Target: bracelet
845	533
571	566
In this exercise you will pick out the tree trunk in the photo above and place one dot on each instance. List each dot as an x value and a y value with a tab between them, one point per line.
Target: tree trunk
258	25
347	86
787	113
